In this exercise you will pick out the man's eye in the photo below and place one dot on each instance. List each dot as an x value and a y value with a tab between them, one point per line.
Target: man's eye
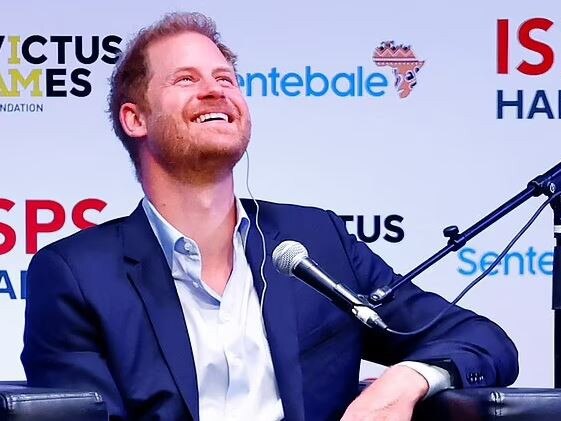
185	79
225	80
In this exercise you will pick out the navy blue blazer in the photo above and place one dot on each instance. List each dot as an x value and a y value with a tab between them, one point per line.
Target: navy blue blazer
103	314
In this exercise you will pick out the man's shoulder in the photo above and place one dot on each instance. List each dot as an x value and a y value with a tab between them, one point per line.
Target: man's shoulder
99	238
304	221
284	209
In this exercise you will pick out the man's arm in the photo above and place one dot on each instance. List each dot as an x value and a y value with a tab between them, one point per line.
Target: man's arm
62	347
474	350
392	397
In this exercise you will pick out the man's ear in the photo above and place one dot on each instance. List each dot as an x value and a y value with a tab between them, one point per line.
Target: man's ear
132	120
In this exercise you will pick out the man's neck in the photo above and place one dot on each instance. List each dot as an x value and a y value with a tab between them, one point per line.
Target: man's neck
206	213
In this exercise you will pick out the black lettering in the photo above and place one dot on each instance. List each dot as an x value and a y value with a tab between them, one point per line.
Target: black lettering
26	47
61	41
393	228
375	231
110	45
1	40
81	82
79	48
52	82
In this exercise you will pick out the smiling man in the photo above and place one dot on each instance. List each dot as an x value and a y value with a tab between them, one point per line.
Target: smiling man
176	312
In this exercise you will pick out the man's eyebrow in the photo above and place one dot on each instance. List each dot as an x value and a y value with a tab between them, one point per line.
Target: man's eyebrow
219	69
223	69
183	69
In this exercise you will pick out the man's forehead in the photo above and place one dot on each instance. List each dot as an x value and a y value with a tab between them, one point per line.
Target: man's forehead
185	50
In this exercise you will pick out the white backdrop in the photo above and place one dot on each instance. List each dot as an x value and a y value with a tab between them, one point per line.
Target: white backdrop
438	157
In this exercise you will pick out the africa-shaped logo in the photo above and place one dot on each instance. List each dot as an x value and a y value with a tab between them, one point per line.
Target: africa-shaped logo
405	65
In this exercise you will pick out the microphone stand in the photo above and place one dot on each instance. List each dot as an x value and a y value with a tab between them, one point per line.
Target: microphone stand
546	184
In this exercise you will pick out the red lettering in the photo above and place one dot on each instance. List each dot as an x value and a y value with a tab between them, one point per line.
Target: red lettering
502	46
81	207
5	230
33	227
537	46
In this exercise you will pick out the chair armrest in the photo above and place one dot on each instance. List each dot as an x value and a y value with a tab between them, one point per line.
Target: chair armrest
22	403
483	404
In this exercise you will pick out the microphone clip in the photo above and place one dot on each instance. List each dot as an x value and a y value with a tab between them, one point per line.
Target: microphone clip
365	312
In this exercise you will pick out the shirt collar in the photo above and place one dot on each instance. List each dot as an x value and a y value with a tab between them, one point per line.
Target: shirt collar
168	235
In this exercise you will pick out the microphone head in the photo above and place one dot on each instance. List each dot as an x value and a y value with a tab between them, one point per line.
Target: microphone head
287	255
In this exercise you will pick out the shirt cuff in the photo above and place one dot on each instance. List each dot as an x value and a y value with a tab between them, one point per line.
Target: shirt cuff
437	377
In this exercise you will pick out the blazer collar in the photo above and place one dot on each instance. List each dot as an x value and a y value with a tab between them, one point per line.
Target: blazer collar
149	273
279	311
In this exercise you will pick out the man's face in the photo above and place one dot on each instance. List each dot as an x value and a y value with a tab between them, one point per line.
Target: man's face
198	126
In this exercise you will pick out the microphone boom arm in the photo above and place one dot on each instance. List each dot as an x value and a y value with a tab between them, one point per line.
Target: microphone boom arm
547	184
542	184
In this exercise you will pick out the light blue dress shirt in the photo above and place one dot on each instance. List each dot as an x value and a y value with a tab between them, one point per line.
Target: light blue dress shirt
235	375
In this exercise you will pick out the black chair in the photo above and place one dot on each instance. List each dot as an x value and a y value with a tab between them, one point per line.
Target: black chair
21	403
488	404
491	404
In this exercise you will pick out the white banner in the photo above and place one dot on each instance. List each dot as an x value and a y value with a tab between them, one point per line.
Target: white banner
474	116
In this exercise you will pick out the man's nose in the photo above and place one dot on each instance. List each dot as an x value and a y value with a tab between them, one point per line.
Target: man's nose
210	88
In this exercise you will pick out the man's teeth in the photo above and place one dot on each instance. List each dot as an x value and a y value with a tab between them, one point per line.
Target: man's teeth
211	116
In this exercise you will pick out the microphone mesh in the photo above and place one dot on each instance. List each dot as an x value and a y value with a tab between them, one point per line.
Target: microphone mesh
287	255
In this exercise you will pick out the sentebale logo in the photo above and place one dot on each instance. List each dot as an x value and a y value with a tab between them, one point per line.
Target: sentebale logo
403	62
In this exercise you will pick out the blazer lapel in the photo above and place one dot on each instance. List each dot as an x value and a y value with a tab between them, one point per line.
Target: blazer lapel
279	315
148	271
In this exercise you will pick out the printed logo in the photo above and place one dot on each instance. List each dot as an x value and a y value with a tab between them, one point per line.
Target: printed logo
40	67
526	54
356	81
403	62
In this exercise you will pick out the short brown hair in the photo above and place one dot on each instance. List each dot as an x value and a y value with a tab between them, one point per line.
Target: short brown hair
129	80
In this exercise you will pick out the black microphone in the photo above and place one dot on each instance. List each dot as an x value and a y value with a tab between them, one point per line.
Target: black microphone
291	258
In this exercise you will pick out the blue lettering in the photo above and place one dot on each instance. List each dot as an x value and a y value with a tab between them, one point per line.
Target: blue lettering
376	80
359	80
9	289
286	83
23	284
545	263
310	77
342	84
515	262
251	77
508	258
350	78
462	255
273	75
531	254
545	108
487	260
501	103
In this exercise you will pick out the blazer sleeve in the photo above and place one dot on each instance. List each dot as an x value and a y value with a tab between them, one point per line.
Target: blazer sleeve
476	351
62	347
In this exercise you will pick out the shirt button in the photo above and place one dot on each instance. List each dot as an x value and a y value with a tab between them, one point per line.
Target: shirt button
188	247
225	317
